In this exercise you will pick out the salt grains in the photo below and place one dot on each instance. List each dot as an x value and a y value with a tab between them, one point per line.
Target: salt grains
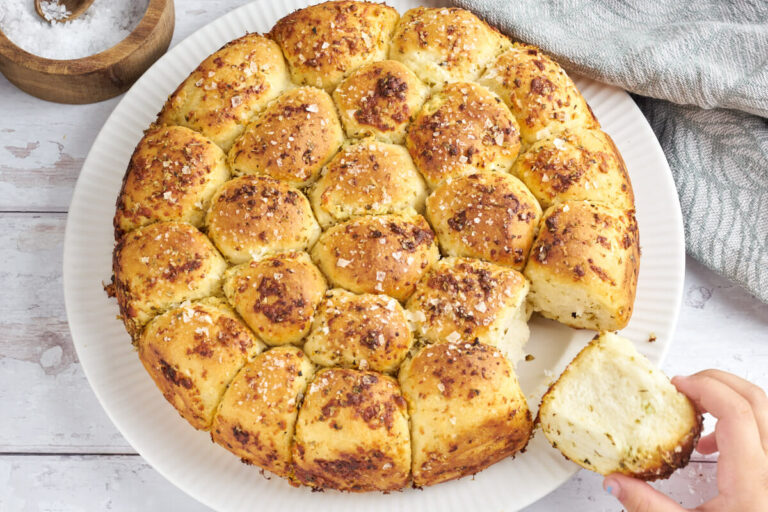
102	26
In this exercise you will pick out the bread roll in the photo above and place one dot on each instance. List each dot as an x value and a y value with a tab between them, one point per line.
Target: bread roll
466	300
611	411
172	175
160	266
377	254
486	215
538	92
367	178
574	166
257	415
276	296
359	331
323	43
467	410
221	96
443	45
192	352
584	265
352	433
291	140
253	216
380	99
464	127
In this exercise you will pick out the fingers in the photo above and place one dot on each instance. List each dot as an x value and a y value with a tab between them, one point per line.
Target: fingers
707	444
638	496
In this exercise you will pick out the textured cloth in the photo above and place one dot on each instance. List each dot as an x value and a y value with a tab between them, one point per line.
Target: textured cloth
709	60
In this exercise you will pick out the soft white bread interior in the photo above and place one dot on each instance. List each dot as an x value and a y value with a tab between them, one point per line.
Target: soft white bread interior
611	411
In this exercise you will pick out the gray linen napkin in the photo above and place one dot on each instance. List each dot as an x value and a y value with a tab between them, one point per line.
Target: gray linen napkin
704	66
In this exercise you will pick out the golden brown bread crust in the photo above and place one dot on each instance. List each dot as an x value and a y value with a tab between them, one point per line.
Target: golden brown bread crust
160	266
323	43
359	331
276	296
461	128
538	92
377	254
380	99
576	165
443	45
291	139
221	96
591	248
192	353
367	178
172	175
352	433
257	416
467	410
486	215
252	216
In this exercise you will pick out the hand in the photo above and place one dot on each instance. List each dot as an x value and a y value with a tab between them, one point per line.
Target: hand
741	437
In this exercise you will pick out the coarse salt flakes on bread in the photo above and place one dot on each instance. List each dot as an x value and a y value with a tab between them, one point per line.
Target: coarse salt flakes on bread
380	99
172	175
611	411
584	265
352	433
257	416
277	295
363	331
367	178
192	352
377	254
225	91
462	128
539	93
575	165
486	215
291	139
252	216
468	300
466	407
159	266
445	44
323	43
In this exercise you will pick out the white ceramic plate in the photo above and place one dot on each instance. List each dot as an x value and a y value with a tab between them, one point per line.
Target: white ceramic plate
217	478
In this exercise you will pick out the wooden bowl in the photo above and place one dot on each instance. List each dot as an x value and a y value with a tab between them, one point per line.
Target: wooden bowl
96	77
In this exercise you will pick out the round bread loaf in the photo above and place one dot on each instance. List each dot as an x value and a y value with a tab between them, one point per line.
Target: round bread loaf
276	296
352	433
486	215
160	266
466	407
574	166
291	140
377	254
257	415
584	265
359	331
323	43
367	178
380	99
538	92
225	91
443	45
192	352
463	127
173	174
252	216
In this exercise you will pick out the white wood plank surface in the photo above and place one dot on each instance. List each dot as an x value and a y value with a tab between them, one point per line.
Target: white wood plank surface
59	451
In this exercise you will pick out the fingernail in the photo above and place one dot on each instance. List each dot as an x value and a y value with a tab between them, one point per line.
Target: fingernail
611	487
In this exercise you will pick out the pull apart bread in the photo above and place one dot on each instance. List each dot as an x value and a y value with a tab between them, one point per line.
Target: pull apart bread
330	242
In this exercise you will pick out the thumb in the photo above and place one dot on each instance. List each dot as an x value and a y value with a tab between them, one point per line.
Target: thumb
638	496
